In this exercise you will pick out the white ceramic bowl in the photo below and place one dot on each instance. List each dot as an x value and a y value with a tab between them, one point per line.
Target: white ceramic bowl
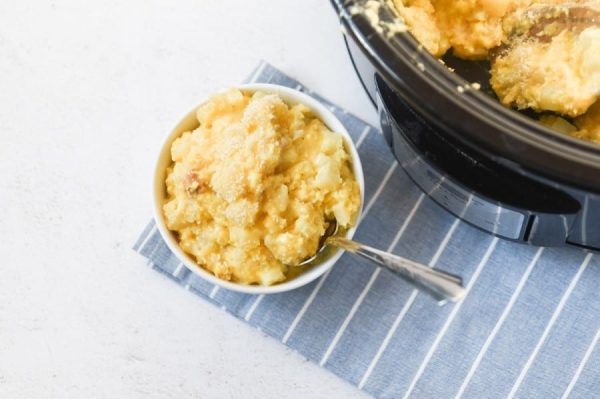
189	122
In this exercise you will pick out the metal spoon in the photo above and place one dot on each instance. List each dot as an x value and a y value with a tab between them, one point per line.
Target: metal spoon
440	285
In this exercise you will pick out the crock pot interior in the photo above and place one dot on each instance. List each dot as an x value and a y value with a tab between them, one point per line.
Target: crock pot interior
394	53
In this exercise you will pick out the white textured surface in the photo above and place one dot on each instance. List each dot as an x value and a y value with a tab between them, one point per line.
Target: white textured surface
87	92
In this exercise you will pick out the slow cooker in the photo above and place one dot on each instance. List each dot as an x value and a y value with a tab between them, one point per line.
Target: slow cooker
493	167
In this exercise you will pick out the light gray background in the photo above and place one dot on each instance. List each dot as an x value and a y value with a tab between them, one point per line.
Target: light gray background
88	90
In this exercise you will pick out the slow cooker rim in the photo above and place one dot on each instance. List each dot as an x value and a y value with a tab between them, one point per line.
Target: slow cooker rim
479	105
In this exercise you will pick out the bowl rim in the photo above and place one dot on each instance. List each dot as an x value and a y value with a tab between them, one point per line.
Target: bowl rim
290	96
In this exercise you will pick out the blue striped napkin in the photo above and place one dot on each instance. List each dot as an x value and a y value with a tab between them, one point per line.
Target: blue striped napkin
528	327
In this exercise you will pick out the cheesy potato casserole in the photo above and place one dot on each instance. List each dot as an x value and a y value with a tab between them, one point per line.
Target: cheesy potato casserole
251	190
586	127
551	62
544	54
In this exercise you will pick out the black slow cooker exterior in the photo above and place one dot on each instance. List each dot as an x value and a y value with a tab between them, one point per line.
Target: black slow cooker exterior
495	168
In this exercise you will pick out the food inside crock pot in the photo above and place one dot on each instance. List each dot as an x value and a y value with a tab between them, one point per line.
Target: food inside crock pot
544	54
585	127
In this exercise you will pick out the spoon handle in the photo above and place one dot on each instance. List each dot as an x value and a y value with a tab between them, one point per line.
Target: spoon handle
441	285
